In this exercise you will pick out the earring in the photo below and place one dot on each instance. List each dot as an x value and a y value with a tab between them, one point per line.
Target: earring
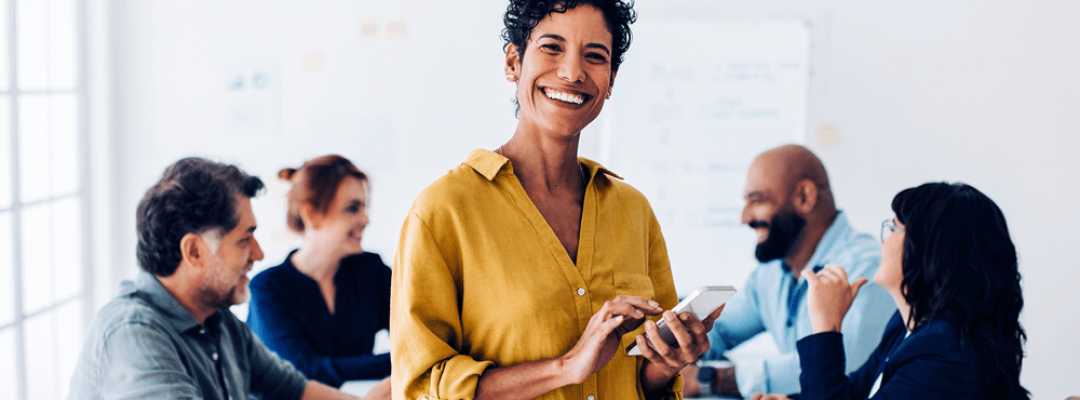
608	96
511	77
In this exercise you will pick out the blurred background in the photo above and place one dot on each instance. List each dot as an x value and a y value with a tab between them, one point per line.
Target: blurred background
97	97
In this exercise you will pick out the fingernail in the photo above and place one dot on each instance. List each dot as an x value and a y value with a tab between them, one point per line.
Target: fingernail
619	318
654	304
639	313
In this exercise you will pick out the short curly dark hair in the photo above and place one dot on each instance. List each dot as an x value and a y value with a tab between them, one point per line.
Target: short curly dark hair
193	196
523	15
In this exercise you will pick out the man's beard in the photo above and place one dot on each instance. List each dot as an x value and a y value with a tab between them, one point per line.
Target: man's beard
238	294
784	231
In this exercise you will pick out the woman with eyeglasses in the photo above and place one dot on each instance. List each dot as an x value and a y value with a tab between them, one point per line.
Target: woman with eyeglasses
951	267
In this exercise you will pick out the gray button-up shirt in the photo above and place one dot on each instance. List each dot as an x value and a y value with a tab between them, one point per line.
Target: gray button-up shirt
144	344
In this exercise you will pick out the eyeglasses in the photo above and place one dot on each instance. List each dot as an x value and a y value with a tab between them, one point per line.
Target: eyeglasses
887	229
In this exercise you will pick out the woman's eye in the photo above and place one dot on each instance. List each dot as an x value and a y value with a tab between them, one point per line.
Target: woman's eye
551	48
597	57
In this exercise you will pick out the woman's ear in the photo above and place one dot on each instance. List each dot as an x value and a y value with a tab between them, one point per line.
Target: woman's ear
513	62
309	216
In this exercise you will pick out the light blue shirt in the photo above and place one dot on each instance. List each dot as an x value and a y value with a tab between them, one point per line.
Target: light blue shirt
774	301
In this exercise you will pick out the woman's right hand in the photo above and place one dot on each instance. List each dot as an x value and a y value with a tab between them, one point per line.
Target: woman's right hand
829	297
602	336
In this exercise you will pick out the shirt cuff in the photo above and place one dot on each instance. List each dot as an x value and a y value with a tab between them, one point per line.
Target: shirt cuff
456	377
821	356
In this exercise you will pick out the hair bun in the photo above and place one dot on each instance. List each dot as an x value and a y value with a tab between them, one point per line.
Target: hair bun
287	174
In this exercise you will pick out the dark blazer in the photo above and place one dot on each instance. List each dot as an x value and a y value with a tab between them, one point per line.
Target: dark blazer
929	364
289	314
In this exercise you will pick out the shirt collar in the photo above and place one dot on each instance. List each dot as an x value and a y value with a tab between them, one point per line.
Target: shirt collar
838	230
162	301
489	163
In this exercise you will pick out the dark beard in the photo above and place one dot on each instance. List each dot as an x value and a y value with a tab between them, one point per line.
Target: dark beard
215	299
784	231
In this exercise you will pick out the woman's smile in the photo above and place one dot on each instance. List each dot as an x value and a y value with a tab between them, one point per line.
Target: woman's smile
566	96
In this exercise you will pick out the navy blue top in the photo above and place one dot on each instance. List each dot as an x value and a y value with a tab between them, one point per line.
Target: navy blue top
929	364
288	312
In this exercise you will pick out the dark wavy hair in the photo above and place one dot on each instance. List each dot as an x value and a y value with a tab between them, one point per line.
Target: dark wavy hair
193	196
523	15
960	265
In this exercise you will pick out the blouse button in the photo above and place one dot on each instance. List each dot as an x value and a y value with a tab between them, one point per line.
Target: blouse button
591	397
581	292
214	356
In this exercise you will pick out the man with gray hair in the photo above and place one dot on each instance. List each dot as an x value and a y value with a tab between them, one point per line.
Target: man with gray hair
170	334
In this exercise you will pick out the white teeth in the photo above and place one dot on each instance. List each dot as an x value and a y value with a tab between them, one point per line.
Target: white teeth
564	97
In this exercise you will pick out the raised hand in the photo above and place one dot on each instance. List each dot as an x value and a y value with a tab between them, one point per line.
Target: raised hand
829	297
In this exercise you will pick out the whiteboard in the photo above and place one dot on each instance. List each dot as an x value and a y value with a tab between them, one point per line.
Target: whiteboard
687	116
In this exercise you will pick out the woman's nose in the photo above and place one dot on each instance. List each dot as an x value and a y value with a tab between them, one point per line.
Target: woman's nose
570	69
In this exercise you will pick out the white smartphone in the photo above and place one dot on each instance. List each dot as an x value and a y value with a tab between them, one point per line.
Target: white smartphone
701	303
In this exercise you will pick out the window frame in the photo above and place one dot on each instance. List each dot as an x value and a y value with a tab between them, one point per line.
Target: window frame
81	194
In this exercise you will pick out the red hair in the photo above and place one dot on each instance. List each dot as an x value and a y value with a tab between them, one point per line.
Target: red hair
316	183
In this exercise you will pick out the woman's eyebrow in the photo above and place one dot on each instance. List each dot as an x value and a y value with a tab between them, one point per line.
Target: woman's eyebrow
553	36
598	46
588	46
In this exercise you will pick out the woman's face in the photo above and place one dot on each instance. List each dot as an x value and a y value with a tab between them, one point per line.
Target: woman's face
565	74
890	272
345	220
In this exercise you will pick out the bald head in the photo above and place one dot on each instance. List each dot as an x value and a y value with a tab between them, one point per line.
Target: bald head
789	164
787	172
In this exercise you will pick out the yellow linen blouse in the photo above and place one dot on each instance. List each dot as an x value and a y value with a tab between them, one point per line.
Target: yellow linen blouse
480	280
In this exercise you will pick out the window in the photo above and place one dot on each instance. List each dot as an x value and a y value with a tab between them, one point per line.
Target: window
44	289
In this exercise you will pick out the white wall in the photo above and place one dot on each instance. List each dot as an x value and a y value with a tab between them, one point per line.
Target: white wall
981	92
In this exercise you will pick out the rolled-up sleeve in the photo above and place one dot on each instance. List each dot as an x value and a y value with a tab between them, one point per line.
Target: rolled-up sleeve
426	324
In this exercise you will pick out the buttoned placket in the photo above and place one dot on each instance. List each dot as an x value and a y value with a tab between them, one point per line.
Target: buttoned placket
216	357
579	273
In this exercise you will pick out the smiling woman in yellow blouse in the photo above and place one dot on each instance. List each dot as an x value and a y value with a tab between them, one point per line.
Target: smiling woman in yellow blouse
523	272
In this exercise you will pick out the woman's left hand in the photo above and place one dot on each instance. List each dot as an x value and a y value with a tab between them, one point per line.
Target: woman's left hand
829	297
691	334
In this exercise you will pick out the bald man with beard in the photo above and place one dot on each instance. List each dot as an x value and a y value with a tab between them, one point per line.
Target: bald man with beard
790	206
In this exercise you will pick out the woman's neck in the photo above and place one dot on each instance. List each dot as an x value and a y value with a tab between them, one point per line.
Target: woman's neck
905	310
543	162
317	262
